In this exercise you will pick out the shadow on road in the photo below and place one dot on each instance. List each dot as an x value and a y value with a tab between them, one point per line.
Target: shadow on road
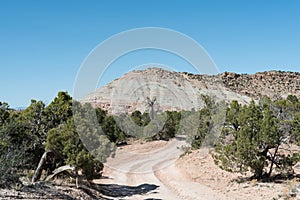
114	190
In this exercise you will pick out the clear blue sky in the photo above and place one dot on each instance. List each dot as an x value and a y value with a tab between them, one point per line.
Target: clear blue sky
43	43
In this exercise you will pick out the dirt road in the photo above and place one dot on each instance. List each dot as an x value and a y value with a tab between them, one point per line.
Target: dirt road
153	164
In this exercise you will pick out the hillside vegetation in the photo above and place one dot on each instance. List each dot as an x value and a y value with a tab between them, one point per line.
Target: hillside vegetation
261	137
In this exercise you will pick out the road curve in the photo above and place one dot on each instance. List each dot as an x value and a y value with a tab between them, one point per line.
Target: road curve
155	166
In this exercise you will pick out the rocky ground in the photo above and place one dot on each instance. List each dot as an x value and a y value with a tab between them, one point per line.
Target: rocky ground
49	191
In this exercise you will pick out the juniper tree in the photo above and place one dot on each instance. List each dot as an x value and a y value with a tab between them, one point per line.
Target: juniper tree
253	137
66	141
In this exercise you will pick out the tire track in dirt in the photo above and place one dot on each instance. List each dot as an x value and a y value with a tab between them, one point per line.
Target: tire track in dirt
156	167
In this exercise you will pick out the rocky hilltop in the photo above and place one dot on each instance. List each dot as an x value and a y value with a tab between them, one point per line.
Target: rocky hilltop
169	90
271	83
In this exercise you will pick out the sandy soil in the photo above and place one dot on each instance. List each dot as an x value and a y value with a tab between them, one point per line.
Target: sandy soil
157	170
155	163
205	172
192	176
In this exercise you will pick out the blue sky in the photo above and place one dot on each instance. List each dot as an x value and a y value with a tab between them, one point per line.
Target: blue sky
43	43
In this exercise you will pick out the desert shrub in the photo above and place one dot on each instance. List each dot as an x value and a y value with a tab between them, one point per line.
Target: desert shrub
257	137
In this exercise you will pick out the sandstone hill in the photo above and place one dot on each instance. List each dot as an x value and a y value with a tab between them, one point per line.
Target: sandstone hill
181	90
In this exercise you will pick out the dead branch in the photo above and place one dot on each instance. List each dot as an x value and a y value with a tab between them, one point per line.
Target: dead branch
60	170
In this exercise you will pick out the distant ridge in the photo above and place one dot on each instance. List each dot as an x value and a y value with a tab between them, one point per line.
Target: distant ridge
182	90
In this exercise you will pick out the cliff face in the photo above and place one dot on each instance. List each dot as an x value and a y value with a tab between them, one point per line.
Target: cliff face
181	91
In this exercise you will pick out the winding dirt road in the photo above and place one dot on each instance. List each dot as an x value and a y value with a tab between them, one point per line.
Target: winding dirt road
154	163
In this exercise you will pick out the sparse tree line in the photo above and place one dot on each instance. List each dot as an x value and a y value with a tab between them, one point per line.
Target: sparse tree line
261	137
45	139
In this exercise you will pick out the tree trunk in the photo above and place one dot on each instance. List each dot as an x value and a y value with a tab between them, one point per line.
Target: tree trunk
76	180
60	170
40	167
273	160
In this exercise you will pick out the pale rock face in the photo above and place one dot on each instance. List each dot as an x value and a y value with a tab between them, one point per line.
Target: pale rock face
181	91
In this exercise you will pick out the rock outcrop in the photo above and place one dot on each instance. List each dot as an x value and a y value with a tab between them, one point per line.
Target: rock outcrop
182	90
